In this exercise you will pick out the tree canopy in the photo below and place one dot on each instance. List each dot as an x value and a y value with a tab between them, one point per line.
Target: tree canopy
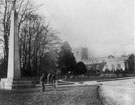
66	59
81	68
131	62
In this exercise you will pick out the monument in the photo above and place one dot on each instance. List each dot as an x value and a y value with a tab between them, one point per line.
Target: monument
14	80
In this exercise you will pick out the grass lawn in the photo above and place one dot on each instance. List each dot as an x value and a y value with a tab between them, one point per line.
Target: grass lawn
71	95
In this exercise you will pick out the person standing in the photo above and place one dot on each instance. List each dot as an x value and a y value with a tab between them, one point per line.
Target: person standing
42	81
48	77
54	80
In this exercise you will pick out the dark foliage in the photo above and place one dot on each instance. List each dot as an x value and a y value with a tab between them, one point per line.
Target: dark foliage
66	59
92	72
3	70
81	68
131	61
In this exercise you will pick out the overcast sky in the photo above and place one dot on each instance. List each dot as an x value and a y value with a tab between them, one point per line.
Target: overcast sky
104	26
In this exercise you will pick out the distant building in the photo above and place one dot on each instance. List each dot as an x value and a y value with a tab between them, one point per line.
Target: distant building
114	64
1	55
107	63
95	63
80	54
102	64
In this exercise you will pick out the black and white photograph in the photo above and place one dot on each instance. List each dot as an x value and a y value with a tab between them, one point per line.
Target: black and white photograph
67	52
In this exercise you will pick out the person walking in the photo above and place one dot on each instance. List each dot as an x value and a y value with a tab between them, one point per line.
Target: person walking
42	81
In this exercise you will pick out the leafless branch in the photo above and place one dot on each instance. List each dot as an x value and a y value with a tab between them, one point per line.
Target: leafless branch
20	6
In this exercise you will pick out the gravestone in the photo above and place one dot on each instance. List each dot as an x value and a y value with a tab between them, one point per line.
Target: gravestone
14	80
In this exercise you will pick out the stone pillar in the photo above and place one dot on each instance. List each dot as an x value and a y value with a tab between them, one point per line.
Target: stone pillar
14	80
13	59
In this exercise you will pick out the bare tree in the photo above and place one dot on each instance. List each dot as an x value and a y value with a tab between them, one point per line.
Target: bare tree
36	40
23	7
